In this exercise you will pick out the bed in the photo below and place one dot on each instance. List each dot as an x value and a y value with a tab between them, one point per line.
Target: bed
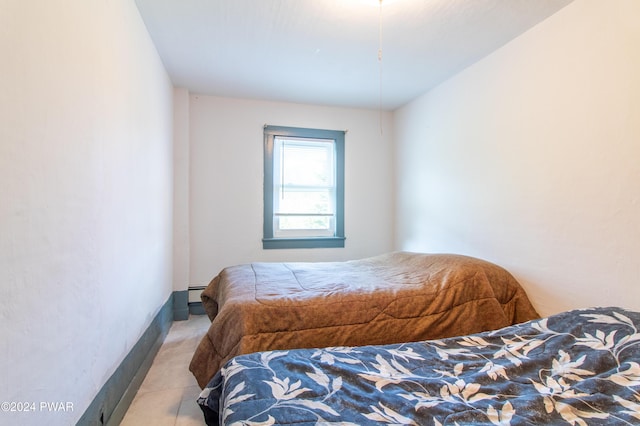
391	298
578	367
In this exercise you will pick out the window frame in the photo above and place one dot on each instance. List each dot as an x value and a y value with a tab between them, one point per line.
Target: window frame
269	241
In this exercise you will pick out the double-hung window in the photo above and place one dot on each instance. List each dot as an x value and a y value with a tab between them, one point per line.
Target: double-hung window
303	188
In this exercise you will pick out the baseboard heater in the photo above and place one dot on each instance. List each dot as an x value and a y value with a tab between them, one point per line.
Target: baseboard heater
195	303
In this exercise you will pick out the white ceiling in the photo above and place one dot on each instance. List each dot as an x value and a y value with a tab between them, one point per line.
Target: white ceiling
326	51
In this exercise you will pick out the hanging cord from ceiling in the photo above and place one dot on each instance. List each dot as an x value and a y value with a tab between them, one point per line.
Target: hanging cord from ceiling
380	65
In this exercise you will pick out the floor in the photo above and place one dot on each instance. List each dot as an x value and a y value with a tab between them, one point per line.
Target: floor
167	396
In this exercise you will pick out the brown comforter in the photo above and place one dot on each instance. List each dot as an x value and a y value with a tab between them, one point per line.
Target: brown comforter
393	298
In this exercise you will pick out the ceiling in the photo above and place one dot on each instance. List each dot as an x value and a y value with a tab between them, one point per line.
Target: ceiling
325	52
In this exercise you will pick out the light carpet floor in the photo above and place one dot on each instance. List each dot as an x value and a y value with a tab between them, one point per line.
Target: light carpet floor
167	396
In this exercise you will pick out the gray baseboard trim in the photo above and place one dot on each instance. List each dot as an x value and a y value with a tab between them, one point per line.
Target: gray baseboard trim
196	308
113	400
181	305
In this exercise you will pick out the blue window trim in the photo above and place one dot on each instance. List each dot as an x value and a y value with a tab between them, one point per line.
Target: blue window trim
268	241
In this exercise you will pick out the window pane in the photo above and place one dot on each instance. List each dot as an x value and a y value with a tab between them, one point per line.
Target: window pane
306	163
292	201
304	222
304	175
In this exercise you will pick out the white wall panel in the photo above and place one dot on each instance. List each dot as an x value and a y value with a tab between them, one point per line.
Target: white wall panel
86	193
530	158
226	193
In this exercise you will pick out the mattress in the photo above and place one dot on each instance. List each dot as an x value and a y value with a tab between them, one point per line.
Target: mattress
578	367
395	297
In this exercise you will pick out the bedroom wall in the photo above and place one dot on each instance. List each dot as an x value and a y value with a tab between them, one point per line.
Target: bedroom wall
85	217
226	181
530	158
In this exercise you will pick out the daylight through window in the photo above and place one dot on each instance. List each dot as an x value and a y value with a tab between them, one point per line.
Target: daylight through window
304	181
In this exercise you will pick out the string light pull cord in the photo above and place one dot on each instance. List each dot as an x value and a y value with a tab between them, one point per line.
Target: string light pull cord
380	64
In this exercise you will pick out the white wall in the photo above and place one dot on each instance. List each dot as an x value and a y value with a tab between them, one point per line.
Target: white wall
86	190
226	188
531	158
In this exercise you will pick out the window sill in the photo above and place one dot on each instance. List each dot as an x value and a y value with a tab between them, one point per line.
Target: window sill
294	243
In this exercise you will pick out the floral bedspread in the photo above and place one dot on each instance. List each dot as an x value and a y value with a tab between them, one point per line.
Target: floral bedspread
580	368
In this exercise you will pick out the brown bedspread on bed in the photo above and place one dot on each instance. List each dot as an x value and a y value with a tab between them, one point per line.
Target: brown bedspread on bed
393	298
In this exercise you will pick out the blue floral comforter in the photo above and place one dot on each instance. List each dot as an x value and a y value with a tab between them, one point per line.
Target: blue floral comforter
579	368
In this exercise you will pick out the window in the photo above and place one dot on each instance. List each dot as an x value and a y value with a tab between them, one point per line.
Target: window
303	188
